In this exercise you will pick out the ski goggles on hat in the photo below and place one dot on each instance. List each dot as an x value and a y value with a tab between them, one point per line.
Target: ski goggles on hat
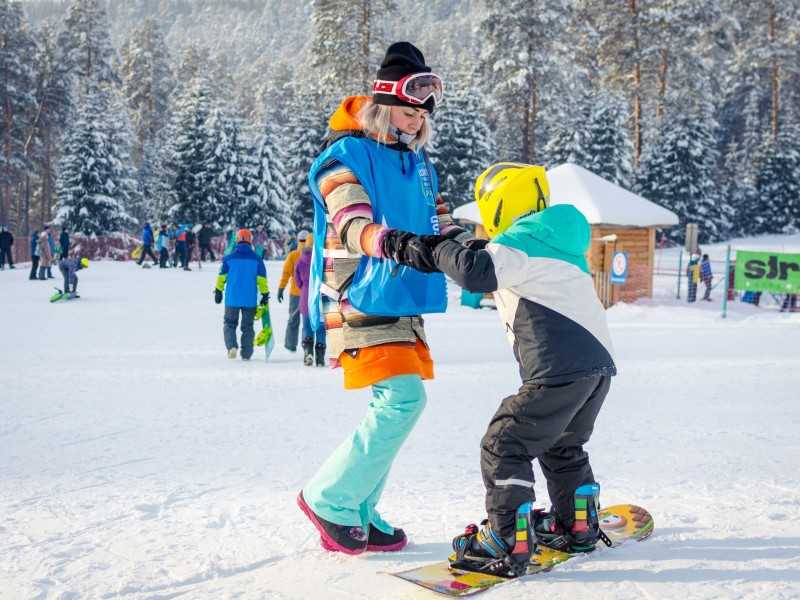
414	89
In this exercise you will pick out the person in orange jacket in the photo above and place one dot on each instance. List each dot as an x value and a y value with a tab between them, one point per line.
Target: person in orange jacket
293	324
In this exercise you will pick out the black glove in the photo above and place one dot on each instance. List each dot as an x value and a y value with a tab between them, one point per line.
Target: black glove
280	295
476	244
264	298
217	296
411	250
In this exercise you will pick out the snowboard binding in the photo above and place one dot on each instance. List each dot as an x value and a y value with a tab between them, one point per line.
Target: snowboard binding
583	534
484	551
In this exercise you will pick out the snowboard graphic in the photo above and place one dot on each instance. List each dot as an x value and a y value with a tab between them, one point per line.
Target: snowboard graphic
266	336
622	523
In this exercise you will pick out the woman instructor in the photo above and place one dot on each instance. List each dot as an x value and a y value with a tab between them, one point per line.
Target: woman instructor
373	187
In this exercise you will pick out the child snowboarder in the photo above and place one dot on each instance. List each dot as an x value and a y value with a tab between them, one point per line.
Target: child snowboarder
69	267
241	277
536	267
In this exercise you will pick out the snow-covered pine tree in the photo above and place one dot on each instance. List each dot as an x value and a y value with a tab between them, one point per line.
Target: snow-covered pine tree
777	183
678	171
54	105
17	103
89	198
120	136
156	176
189	155
271	188
463	144
86	43
738	190
602	145
518	66
345	40
228	175
594	136
147	83
305	141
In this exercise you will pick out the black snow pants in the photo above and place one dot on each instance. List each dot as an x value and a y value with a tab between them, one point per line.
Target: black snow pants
551	423
248	331
5	254
205	248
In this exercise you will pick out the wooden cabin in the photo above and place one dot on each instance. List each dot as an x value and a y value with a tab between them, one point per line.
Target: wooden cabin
620	221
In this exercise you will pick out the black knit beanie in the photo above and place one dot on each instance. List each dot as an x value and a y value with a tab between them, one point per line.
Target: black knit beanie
402	58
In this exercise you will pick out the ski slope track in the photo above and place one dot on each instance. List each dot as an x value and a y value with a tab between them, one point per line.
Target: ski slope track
138	462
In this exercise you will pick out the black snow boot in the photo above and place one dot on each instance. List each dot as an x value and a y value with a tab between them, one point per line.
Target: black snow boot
385	542
333	537
319	353
308	351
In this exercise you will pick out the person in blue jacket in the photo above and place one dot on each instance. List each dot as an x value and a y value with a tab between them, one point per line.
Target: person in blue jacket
162	243
242	276
147	245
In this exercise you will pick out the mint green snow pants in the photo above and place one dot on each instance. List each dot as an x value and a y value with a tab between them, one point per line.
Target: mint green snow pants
349	484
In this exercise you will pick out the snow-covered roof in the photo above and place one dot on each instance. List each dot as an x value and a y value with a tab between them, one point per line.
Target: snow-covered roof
600	201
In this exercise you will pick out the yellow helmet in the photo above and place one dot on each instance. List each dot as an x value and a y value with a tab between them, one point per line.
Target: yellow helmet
84	262
507	191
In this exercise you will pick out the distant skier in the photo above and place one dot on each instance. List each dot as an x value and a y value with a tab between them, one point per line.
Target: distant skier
147	245
313	339
204	240
34	245
6	244
706	276
190	241
242	276
45	254
69	267
536	266
260	241
692	277
163	247
63	242
293	323
181	248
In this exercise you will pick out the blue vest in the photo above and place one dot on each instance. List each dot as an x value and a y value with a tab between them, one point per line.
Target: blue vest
401	200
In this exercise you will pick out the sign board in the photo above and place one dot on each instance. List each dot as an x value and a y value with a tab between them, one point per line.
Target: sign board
775	272
619	268
692	234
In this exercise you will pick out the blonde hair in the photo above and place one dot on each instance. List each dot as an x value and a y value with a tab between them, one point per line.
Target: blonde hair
376	120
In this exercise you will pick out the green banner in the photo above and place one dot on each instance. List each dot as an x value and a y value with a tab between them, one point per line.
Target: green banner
767	272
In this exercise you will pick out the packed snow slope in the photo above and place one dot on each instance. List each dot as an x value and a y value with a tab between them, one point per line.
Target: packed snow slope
137	461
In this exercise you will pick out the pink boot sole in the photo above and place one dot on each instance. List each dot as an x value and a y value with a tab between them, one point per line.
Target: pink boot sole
326	541
393	548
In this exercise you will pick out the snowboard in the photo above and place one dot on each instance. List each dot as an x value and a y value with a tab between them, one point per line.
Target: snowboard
265	337
622	523
60	295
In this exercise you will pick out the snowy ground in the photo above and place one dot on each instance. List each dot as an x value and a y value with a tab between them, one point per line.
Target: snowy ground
138	462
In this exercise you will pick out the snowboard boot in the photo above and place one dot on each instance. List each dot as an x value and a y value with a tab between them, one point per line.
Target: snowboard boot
42	273
485	551
319	354
582	533
308	351
385	542
232	352
336	538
